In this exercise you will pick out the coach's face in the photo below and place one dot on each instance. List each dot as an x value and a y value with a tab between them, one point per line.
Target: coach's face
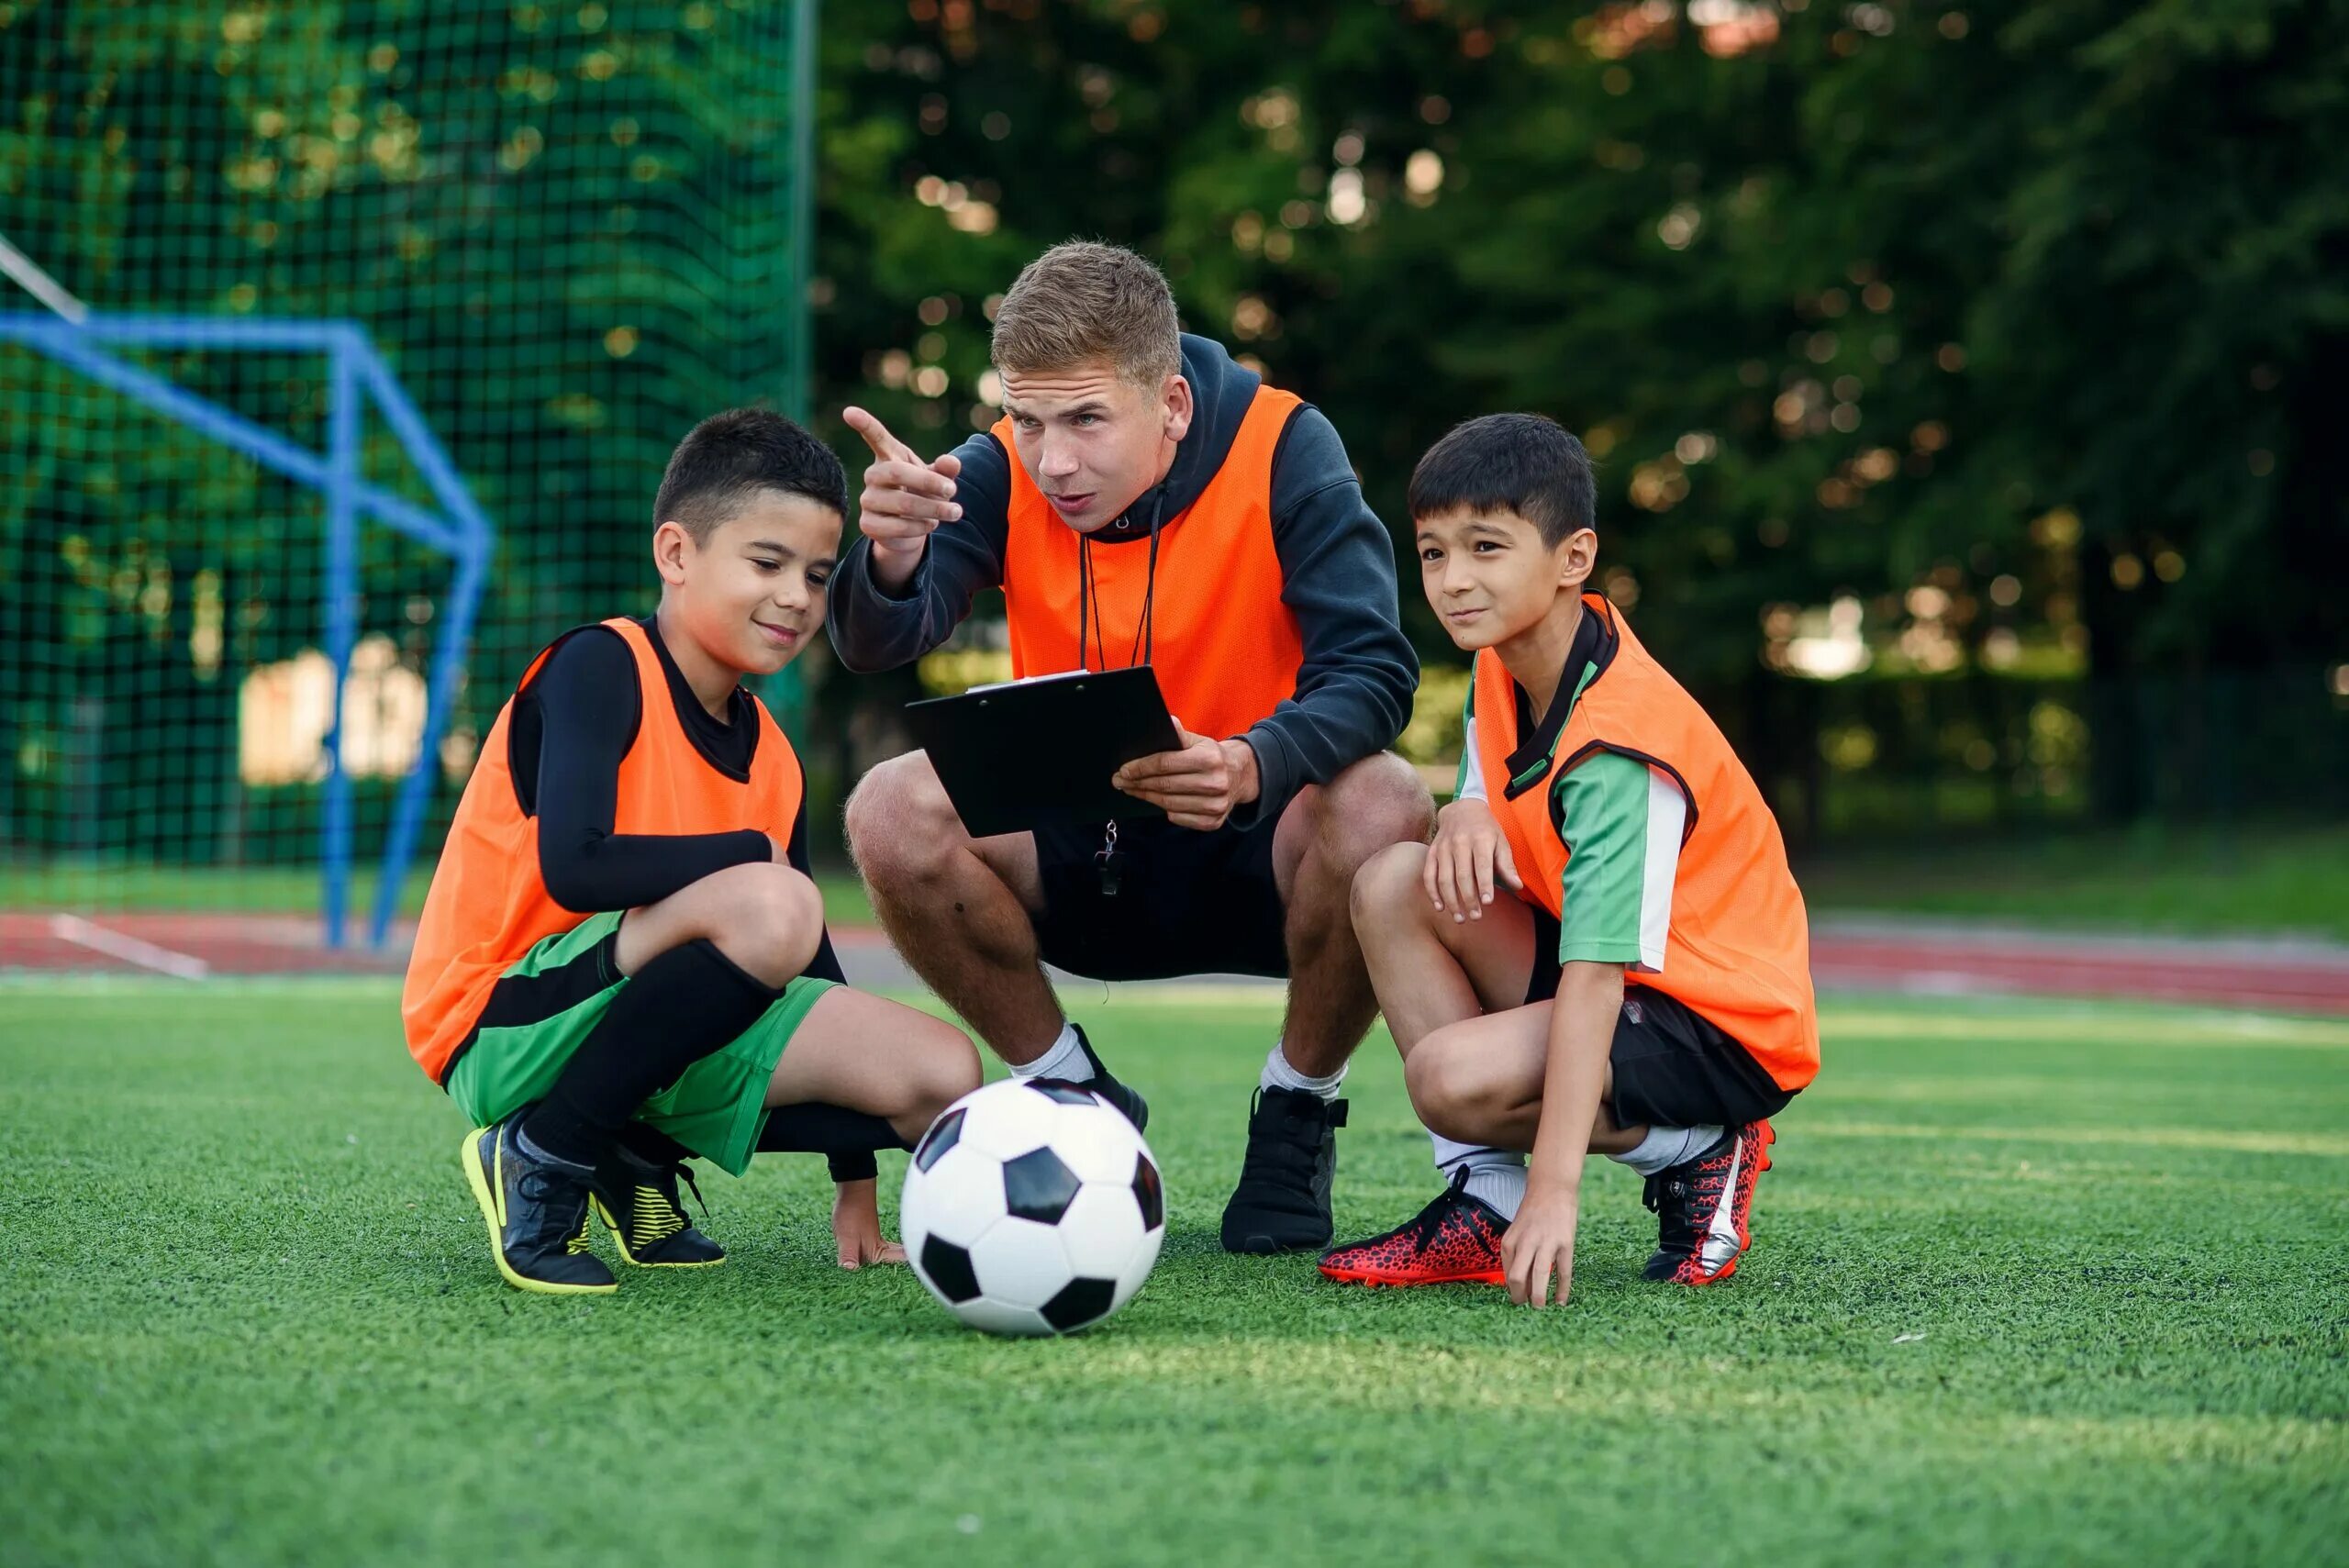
1091	440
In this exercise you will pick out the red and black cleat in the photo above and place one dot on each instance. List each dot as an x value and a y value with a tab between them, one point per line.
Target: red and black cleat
1702	1208
1456	1239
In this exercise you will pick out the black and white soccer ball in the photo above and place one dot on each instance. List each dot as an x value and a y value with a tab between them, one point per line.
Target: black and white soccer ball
1032	1208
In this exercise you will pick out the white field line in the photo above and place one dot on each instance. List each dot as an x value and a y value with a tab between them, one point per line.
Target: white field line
131	950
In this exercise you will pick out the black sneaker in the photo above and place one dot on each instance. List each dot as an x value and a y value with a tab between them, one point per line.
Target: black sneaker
1129	1101
536	1213
637	1200
1282	1204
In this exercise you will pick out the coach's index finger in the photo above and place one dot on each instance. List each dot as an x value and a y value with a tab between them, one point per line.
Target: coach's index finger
886	446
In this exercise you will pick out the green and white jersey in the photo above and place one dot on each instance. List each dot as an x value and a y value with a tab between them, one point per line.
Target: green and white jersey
1622	822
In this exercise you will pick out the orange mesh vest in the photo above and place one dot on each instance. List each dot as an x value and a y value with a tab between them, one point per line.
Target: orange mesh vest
1225	647
488	906
1738	950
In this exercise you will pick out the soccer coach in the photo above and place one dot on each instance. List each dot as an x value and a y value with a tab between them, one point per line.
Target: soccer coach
1147	499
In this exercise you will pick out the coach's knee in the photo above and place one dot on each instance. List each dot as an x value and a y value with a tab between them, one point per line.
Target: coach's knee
770	921
1374	803
1455	1095
901	826
1389	886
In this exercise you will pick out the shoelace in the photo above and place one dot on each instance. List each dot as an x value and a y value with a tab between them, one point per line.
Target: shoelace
1428	1229
1292	1153
658	1213
547	1190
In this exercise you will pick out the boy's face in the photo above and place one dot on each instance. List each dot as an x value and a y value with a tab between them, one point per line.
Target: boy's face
1091	440
752	595
1489	576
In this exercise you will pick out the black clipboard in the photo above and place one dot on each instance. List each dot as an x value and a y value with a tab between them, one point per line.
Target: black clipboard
1037	752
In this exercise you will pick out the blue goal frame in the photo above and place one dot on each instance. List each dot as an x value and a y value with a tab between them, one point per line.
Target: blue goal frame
357	375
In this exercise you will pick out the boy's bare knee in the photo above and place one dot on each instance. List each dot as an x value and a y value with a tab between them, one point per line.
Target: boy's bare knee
771	923
1453	1096
901	823
1388	884
954	1070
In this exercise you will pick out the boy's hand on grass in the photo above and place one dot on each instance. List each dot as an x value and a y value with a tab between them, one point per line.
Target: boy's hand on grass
1198	786
904	499
1540	1243
856	1227
1468	854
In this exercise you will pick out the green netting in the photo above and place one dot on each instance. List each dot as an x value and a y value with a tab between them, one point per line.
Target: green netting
570	231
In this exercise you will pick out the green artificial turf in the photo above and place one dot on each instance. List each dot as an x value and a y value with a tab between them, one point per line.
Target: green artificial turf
2033	1282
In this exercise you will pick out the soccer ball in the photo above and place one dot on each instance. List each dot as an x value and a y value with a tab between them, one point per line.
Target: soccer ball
1032	1208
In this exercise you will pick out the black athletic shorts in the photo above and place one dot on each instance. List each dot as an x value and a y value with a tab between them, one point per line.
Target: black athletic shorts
1186	902
1672	1067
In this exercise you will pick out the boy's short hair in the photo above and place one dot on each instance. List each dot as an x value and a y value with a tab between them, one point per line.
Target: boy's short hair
729	458
1525	463
1084	300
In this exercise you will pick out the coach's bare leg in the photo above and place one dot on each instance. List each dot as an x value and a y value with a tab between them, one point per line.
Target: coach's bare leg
960	910
1324	838
1453	992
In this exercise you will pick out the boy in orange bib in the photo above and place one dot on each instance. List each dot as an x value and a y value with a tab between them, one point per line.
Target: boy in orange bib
1603	951
623	960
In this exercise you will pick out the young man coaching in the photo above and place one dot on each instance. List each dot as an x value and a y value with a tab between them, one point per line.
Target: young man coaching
1146	499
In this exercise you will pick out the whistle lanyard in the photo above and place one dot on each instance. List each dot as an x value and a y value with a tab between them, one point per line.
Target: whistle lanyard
1088	600
1109	861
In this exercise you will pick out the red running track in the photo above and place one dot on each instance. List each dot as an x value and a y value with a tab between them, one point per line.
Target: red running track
1847	954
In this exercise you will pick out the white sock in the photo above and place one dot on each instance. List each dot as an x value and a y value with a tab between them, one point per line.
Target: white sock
1496	1175
1503	1186
1665	1147
1065	1058
1279	1074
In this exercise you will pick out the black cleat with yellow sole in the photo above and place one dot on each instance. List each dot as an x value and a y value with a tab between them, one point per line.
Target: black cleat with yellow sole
536	1213
637	1200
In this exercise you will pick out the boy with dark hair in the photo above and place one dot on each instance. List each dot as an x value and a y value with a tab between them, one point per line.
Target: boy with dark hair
1646	994
622	939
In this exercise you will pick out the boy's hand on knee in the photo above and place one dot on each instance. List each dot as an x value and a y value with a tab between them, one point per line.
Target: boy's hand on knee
856	1227
1467	858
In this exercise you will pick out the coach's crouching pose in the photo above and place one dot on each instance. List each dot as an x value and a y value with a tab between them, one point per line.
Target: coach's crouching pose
1145	499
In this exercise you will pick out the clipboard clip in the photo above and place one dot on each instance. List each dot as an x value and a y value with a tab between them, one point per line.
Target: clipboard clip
1109	861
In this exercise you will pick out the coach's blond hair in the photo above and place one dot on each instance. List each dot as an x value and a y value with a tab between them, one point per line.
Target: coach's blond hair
1084	300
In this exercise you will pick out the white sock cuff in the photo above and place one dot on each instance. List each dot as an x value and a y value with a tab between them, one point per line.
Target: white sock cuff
1065	1058
1665	1147
1450	1155
1279	1073
1502	1187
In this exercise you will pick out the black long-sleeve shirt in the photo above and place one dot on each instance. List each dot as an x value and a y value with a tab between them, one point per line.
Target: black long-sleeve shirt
572	726
1355	686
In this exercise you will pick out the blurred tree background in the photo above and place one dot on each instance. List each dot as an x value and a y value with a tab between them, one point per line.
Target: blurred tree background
1965	378
1962	375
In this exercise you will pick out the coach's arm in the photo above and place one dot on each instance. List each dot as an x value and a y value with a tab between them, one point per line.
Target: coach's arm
1354	689
875	628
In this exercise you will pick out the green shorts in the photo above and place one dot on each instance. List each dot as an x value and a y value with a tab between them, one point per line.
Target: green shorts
544	1006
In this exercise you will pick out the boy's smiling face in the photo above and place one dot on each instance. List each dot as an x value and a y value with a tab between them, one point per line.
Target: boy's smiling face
1488	575
752	594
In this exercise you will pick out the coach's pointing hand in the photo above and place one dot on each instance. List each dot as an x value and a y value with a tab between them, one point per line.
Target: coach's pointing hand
904	499
1196	786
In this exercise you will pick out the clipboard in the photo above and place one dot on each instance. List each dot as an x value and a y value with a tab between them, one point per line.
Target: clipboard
1032	753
